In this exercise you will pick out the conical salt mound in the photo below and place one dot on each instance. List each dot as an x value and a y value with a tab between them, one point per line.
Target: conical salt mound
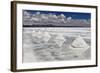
79	44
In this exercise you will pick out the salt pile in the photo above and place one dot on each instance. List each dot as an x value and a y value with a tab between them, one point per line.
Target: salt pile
79	45
60	40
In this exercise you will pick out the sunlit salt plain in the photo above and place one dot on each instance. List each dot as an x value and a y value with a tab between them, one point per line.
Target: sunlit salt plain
56	44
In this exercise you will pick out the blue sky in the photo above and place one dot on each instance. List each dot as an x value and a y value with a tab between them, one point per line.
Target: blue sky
74	15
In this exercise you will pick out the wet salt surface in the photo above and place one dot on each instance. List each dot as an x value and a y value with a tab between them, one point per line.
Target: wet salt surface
37	50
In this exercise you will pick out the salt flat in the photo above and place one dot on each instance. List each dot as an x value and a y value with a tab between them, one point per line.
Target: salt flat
37	48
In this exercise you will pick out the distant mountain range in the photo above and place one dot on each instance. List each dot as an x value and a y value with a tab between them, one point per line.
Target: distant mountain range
52	20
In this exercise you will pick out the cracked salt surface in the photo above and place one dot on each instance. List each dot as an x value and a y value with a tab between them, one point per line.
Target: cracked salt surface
55	45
